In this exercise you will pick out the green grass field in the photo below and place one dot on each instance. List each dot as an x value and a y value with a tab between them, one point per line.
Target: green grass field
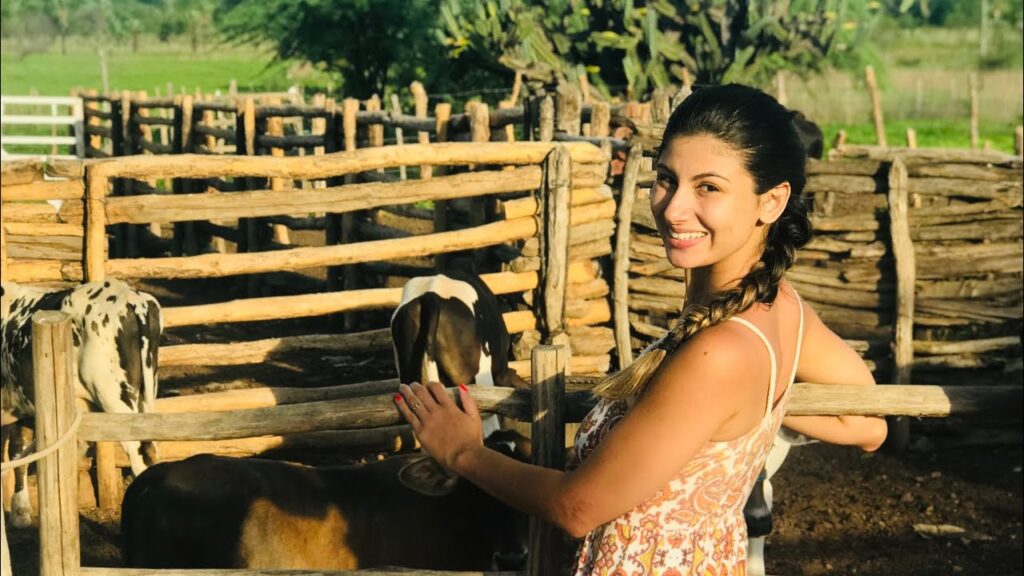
149	69
930	133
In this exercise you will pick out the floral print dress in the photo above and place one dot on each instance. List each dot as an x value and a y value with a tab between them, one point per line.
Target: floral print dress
694	525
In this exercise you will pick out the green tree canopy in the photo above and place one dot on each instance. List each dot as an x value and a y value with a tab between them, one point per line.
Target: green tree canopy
644	44
370	44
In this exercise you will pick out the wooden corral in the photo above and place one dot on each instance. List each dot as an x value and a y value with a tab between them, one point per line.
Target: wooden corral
938	288
547	405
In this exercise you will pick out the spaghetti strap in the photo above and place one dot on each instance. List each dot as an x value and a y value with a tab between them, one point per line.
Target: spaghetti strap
799	338
771	355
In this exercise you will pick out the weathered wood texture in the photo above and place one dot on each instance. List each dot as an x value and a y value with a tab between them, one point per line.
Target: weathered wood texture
59	546
375	411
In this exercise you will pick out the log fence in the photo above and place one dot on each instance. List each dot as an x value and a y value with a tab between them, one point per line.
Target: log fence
547	404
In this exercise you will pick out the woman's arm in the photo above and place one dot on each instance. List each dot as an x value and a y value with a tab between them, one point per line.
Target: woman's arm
827	359
697	390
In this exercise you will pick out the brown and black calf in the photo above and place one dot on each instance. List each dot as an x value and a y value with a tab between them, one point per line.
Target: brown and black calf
217	512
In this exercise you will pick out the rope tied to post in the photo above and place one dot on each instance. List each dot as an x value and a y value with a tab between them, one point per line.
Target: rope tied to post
26	460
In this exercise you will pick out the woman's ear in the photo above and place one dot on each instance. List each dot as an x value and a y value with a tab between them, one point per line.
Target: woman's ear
773	203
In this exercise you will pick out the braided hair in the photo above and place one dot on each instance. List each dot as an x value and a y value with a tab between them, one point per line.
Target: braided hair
762	130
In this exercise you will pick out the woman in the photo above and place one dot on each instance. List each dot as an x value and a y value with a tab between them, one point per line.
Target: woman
667	457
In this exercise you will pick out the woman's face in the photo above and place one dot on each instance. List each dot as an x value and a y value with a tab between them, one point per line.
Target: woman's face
705	205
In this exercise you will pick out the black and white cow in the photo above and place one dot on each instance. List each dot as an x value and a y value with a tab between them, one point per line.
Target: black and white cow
218	512
115	331
449	328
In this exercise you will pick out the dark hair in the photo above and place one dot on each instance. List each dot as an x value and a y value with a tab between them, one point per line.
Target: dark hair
762	130
810	134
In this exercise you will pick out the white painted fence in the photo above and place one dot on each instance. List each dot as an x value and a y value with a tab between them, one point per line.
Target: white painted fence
63	111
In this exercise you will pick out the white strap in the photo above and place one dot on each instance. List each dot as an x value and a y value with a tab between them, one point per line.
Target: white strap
771	355
799	339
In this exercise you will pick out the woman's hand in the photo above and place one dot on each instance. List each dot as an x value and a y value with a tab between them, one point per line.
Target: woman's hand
445	430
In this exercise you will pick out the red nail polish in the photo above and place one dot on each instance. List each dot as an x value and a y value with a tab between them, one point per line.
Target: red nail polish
463	388
398	398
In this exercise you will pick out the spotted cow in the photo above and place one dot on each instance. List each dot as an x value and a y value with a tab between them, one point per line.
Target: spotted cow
217	512
449	328
115	334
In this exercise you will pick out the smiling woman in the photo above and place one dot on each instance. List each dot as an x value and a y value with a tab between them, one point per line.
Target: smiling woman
665	460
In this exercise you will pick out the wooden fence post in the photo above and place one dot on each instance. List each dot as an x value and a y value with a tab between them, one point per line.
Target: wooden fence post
567	115
108	478
442	114
347	230
876	106
600	118
554	240
275	127
1018	141
184	232
911	138
620	274
547	119
660	107
396	109
548	365
419	95
906	275
57	473
480	131
78	111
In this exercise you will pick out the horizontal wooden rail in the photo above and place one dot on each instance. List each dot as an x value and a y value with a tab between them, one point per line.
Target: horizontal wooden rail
151	120
375	411
44	190
386	439
256	351
336	199
95	113
222	133
104	131
292	141
305	305
27	271
217	265
215	106
339	163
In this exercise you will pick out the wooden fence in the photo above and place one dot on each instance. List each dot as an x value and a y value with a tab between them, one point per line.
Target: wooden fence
60	111
547	405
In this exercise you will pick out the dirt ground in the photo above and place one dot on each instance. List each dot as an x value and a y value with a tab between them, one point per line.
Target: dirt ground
837	512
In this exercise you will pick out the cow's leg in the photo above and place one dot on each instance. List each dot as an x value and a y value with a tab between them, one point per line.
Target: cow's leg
147	404
112	400
21	506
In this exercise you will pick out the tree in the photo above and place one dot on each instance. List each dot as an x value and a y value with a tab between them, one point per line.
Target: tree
642	44
370	44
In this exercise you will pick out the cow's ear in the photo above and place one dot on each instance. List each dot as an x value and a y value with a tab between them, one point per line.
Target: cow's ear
426	476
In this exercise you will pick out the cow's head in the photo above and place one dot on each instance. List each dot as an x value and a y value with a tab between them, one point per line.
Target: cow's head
510	529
